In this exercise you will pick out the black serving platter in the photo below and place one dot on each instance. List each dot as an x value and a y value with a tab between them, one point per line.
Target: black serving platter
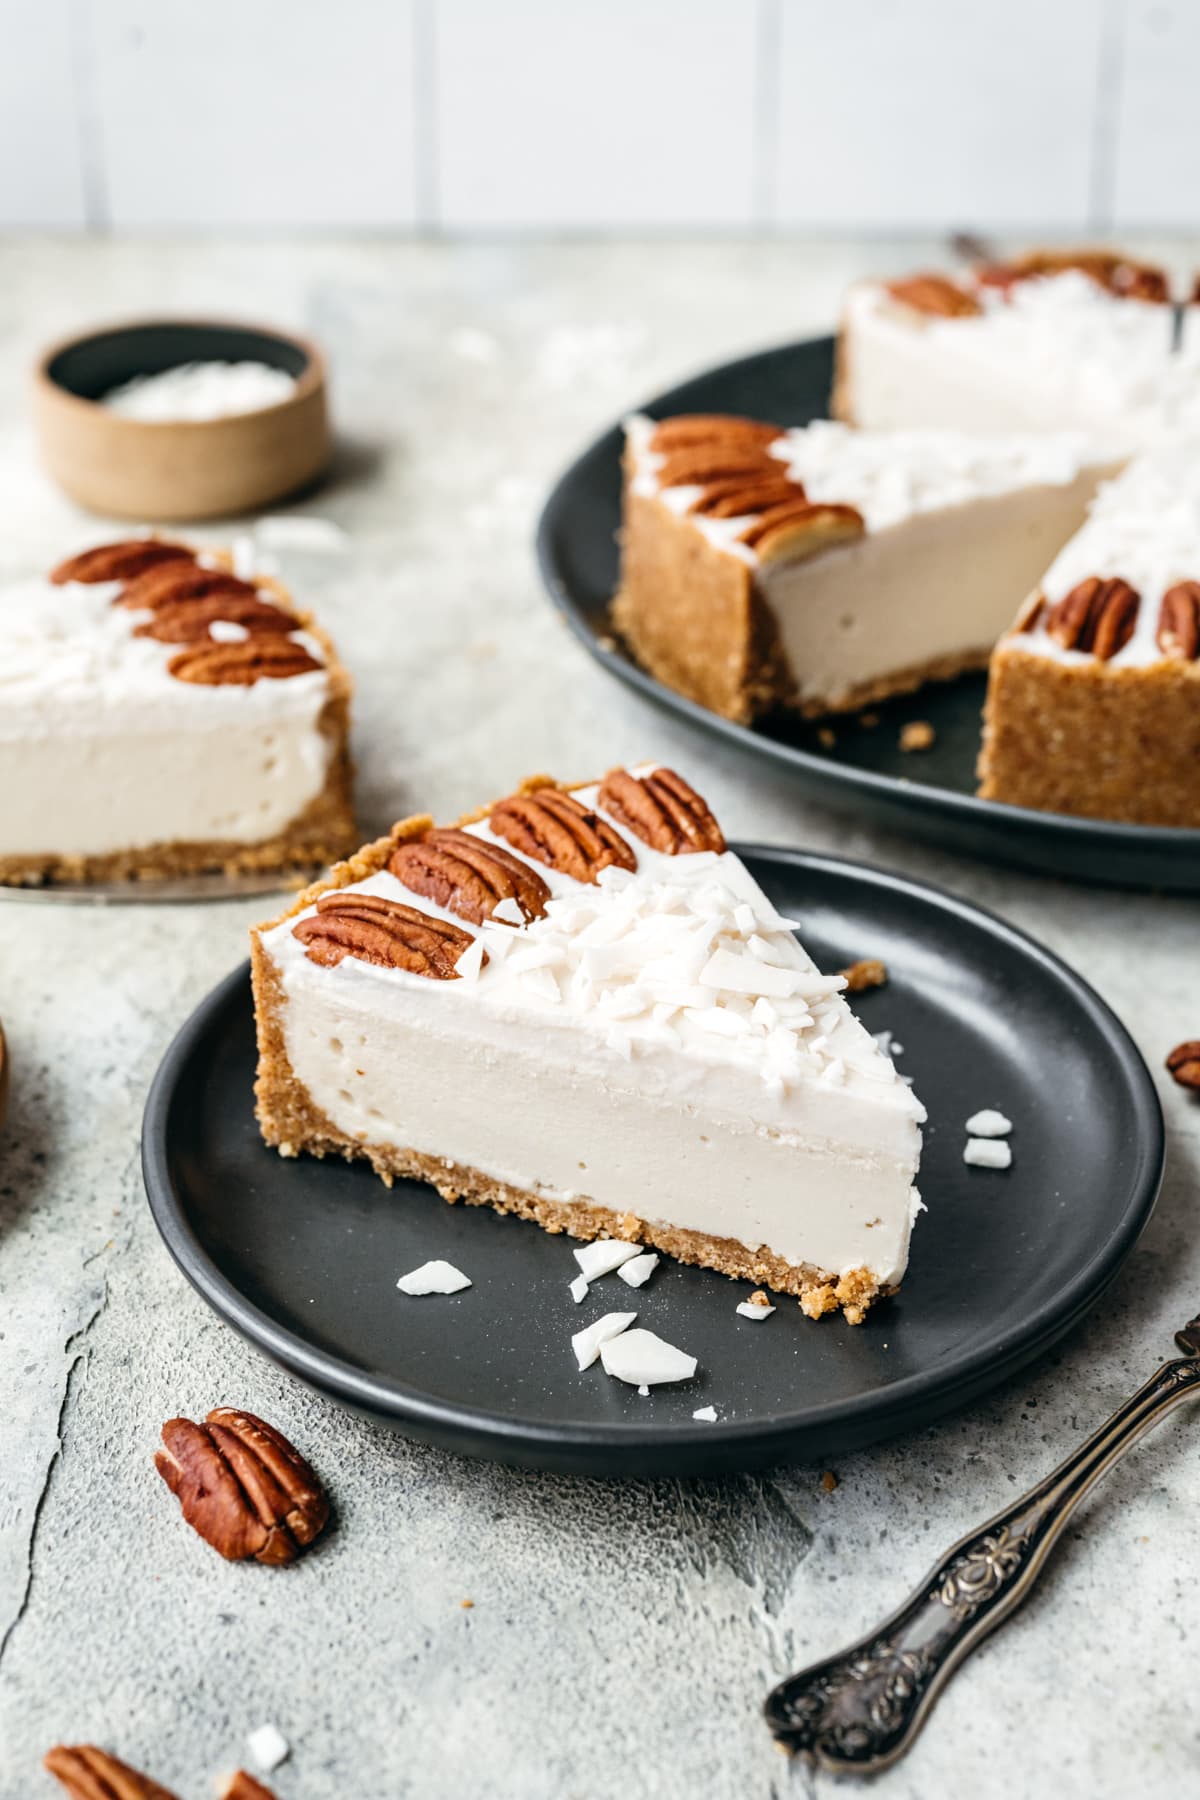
302	1257
932	792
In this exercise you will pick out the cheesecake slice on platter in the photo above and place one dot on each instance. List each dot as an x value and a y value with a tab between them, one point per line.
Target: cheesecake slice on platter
1093	700
1051	341
164	715
824	569
578	1006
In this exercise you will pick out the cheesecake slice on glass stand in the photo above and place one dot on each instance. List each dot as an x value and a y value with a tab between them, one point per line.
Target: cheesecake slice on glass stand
578	1006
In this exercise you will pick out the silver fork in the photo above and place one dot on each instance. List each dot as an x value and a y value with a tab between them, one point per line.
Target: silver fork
858	1712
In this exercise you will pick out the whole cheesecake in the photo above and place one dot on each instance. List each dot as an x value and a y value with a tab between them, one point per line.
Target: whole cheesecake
579	1007
162	715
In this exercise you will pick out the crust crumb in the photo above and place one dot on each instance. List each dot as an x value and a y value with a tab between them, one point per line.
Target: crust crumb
918	734
868	972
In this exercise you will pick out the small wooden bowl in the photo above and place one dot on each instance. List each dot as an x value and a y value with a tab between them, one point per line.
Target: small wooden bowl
178	469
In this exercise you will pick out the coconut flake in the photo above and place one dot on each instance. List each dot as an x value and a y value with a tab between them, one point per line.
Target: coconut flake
588	1343
227	631
266	1748
749	1310
988	1124
434	1278
707	1413
988	1153
509	911
470	962
605	1255
642	1359
639	1269
579	1289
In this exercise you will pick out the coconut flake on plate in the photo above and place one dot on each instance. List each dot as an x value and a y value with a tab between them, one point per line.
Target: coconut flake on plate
988	1124
579	1289
644	1360
752	1309
707	1413
988	1153
639	1269
588	1343
434	1278
604	1255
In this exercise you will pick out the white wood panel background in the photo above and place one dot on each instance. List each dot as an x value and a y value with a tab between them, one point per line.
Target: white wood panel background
471	116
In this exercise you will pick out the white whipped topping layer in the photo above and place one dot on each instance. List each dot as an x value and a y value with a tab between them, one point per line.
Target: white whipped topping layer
889	476
100	748
1054	352
658	1044
894	475
1144	526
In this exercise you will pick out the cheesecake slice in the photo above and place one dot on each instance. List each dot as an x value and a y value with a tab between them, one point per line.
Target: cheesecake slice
162	715
1048	342
578	1006
1093	700
823	568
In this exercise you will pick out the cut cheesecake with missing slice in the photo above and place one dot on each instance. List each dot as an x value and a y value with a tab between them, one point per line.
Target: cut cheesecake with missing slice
578	1006
824	569
1093	700
164	715
1050	341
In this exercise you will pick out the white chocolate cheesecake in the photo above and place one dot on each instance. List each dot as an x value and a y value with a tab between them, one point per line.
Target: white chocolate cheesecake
160	715
825	568
578	1006
1045	343
1094	695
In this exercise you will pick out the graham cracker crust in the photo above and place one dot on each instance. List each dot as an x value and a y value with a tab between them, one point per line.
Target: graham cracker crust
1088	739
290	1123
320	832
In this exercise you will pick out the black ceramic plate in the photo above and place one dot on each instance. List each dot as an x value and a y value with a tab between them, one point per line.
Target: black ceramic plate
302	1257
932	792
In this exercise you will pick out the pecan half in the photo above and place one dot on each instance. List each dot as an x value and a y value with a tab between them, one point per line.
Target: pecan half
661	809
686	429
800	528
242	1486
241	1786
935	294
1184	1063
467	875
746	494
261	658
383	932
699	465
561	832
119	562
1098	614
186	621
174	581
91	1774
1179	621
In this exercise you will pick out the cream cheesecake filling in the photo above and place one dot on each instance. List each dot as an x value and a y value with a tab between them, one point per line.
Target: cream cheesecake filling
102	750
1055	352
1144	527
658	1044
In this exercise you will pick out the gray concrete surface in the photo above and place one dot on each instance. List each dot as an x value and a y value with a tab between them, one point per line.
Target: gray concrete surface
622	1637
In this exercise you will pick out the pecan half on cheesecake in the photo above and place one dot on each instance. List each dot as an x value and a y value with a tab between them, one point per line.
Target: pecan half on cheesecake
577	1005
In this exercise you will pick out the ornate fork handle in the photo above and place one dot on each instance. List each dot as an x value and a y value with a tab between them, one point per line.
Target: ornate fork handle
858	1712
